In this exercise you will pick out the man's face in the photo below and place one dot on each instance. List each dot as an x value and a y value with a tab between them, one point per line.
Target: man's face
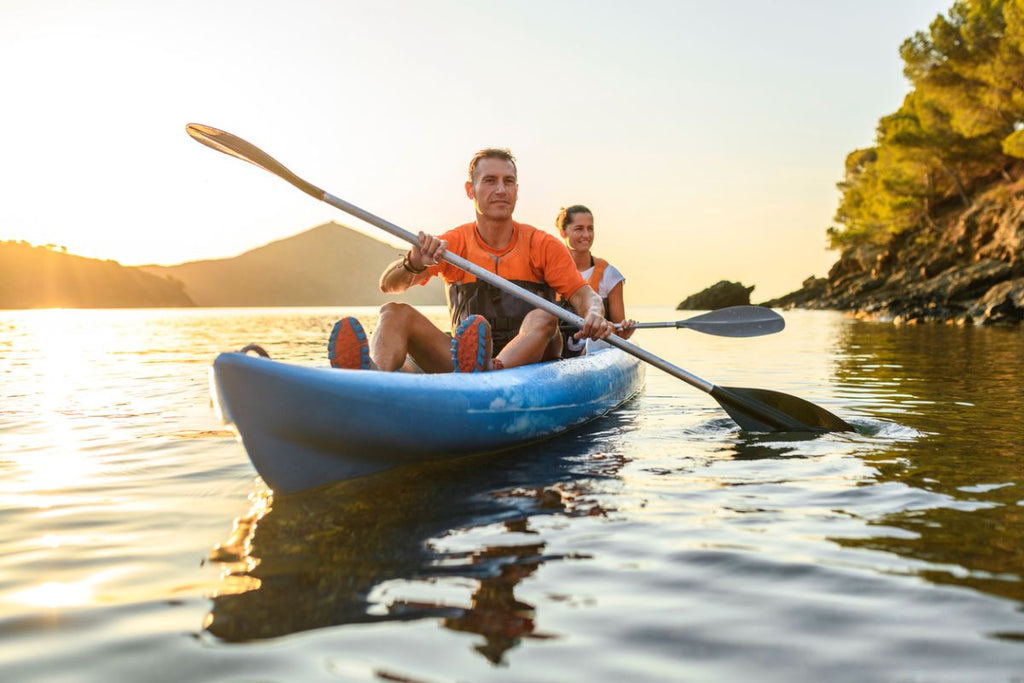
494	189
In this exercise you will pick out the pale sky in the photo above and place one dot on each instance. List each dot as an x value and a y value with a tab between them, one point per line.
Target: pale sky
706	136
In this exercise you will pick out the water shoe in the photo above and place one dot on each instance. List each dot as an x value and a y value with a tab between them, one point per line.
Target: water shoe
471	345
348	347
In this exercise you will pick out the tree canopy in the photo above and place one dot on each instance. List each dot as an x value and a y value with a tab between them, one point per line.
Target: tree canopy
961	122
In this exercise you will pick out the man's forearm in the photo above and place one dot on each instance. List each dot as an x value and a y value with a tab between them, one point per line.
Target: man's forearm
586	302
397	277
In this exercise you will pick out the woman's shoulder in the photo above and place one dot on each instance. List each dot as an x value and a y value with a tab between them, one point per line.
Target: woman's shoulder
612	271
610	278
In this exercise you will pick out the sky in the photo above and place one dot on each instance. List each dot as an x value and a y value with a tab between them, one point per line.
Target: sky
707	137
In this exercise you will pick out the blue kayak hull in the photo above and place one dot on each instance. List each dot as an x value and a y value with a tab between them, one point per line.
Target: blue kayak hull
303	426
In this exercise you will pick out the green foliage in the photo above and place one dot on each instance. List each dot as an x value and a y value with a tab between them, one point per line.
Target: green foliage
1013	144
962	120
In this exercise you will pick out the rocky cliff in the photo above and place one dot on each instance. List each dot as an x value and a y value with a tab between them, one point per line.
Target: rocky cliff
966	266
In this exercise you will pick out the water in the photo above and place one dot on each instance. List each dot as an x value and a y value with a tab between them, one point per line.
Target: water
659	543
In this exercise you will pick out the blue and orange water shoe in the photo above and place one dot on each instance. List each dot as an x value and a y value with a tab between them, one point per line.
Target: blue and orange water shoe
471	345
348	347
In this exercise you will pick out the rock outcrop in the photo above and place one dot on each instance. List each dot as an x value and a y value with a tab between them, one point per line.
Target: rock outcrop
719	295
966	267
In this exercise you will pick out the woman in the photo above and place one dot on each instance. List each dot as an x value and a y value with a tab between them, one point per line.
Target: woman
576	225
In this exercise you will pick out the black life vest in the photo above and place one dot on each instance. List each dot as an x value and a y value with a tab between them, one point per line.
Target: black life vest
504	312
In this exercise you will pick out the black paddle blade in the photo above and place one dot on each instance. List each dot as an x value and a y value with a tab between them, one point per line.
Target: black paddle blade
764	410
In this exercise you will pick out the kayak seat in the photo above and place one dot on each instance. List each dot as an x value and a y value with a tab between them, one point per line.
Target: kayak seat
348	347
471	345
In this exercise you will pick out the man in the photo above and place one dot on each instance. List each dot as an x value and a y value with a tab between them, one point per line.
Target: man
485	320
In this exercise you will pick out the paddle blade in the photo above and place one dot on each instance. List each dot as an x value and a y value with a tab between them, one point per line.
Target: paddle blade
736	321
234	146
764	410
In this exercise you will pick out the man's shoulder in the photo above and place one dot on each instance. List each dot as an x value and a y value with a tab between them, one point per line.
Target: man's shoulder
528	228
547	246
536	235
456	237
459	229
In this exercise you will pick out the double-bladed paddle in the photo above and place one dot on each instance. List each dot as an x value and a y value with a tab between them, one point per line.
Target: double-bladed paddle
753	409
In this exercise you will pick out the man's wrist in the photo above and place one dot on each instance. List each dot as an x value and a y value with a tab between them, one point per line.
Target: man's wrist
407	265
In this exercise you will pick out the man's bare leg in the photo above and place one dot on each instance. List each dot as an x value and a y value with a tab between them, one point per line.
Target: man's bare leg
401	331
535	341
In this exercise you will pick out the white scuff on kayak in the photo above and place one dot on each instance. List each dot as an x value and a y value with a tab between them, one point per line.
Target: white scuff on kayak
303	427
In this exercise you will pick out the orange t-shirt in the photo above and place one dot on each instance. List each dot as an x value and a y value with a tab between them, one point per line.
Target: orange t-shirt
531	255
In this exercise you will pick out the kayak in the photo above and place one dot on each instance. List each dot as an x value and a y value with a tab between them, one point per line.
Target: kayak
303	426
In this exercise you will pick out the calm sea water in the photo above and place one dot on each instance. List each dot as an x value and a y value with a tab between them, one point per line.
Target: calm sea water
659	543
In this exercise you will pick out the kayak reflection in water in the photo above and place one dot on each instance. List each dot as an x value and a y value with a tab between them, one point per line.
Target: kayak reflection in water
348	554
576	225
490	329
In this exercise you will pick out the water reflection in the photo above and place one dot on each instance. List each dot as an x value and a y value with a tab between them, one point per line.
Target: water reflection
961	388
495	613
754	446
390	547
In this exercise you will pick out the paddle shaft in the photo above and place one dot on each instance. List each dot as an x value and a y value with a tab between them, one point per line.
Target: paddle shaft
732	321
654	326
640	326
674	324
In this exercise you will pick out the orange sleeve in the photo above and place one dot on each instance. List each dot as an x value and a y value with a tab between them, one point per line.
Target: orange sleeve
555	264
448	272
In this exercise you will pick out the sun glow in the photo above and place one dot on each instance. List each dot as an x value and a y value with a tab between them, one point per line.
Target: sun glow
62	397
56	594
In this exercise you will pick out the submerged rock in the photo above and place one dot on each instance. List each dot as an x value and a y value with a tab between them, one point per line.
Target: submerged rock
719	295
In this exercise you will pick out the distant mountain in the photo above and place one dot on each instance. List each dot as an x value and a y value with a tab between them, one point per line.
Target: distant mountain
44	277
329	265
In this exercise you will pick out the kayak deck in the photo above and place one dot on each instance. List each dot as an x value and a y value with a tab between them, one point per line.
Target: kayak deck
307	426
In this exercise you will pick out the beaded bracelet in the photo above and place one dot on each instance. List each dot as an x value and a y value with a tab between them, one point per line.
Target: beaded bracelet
407	264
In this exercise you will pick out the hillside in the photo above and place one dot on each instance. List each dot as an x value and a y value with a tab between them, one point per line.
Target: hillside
329	265
965	266
931	217
41	277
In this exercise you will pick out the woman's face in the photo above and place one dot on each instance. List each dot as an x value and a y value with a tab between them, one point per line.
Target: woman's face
579	233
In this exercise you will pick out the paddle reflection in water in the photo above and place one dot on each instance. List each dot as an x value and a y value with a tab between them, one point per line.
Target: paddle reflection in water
365	550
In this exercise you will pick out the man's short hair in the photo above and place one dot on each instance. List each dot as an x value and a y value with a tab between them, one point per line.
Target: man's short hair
491	153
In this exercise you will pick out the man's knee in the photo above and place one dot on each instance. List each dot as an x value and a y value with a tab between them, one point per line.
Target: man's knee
394	309
395	314
542	321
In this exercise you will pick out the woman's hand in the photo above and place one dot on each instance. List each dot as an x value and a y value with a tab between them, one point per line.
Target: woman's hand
626	328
